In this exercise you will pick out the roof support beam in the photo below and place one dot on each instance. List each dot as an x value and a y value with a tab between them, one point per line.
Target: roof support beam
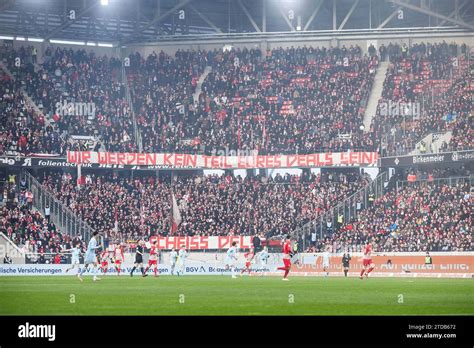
249	16
389	18
68	21
433	14
6	4
157	19
285	17
313	15
205	19
349	14
452	14
138	14
103	27
33	23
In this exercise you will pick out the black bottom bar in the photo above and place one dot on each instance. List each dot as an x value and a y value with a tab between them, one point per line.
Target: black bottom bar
350	331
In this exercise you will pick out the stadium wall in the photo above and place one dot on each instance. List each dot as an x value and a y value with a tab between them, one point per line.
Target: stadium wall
329	41
444	265
41	48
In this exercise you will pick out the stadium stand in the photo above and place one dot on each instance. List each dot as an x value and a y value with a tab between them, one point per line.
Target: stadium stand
422	216
21	129
294	100
254	101
430	78
20	221
32	232
209	205
161	88
247	116
76	77
462	133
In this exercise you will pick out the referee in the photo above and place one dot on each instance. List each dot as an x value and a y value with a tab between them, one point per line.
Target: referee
138	258
346	259
257	244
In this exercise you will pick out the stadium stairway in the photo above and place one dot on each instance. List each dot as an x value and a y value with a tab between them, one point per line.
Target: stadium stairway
375	94
8	247
347	207
30	102
126	80
66	220
196	94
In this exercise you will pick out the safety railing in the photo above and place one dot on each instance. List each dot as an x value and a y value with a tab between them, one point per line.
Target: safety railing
63	217
344	211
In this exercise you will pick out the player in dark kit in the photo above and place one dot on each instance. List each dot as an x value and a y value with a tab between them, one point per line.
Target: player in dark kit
346	259
138	258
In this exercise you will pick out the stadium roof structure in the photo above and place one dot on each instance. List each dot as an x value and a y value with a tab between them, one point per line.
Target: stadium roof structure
126	21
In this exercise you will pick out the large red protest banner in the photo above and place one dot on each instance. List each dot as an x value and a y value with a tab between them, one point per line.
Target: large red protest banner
202	242
174	160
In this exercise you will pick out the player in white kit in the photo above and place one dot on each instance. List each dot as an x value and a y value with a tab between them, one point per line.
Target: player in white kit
182	255
231	258
173	259
264	256
326	262
91	257
75	262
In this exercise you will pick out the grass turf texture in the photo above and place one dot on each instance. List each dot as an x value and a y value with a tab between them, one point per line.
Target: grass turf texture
221	295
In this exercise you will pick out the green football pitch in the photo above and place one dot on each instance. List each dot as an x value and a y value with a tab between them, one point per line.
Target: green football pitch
222	295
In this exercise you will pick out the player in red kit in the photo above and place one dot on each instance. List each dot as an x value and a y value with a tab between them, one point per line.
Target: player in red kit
153	259
119	258
248	261
367	263
104	261
286	257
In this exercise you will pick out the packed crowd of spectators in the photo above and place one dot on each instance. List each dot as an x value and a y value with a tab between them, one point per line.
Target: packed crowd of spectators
79	93
462	132
427	89
209	205
162	88
29	230
294	100
419	217
21	129
32	232
427	214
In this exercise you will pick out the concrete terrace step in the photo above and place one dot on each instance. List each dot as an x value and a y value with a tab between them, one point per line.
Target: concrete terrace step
201	80
375	94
